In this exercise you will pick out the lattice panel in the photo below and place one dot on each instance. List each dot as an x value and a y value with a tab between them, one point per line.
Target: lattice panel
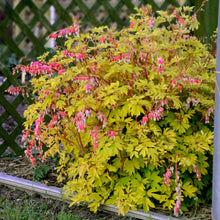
11	122
33	19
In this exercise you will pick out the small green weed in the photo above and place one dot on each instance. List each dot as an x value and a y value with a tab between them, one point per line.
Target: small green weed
67	216
10	155
40	172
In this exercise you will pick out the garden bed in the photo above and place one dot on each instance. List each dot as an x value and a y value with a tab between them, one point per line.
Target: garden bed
33	187
21	167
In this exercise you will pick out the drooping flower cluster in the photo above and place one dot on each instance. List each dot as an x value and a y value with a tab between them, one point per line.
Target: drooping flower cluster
123	58
66	32
144	120
30	143
195	167
56	117
156	115
80	57
177	207
207	115
91	84
101	117
184	81
111	134
192	101
94	135
160	61
37	129
38	69
167	176
80	119
132	24
150	22
81	78
14	91
164	103
34	146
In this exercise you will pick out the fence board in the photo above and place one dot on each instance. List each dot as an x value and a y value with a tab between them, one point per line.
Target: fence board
24	28
88	14
9	141
66	17
112	13
10	43
117	8
39	15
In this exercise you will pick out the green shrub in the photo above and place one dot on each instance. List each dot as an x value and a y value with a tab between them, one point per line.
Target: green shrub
129	112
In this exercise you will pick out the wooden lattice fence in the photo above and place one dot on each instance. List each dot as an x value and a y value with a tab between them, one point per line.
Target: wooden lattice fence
24	29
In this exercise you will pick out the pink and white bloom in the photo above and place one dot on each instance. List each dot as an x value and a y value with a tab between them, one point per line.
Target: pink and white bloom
144	120
111	134
132	24
160	61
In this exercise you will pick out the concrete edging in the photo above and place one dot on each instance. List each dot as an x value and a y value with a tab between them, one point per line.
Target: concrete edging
57	193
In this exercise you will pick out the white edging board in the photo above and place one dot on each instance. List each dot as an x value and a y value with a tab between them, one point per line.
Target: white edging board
57	193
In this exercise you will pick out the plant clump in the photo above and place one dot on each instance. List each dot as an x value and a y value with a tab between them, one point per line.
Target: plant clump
129	112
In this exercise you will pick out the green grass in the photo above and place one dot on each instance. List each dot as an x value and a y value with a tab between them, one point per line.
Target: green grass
27	209
19	205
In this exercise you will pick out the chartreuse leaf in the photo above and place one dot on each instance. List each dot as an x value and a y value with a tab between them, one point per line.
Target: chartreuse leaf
124	180
147	149
134	108
110	100
178	121
96	202
152	193
148	204
70	110
188	189
188	160
152	179
129	166
169	203
154	127
112	168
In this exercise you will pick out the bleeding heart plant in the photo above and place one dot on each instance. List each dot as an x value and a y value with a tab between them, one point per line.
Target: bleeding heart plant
129	112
